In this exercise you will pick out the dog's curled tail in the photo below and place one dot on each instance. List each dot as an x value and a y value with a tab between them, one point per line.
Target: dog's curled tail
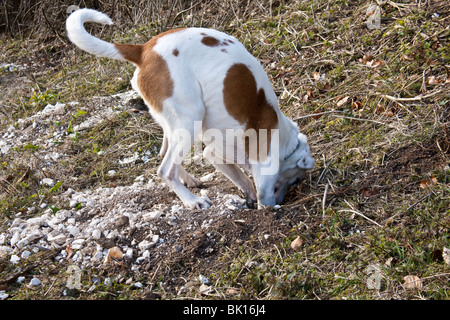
85	41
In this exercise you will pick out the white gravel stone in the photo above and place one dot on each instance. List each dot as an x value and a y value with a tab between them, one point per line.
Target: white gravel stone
73	230
78	244
57	238
144	245
22	243
47	182
14	259
25	255
203	279
15	239
151	215
146	255
96	234
34	235
35	282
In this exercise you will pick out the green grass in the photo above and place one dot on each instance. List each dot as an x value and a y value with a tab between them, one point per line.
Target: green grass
363	207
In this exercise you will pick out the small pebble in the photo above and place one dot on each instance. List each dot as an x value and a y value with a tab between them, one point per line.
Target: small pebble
203	279
47	182
14	259
35	282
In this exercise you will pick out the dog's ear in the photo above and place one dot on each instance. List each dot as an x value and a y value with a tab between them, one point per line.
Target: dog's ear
306	162
302	139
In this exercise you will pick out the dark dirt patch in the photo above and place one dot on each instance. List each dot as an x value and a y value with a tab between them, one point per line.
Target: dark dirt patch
418	158
198	251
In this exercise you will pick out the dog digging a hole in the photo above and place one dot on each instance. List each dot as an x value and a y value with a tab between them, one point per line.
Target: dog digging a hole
203	85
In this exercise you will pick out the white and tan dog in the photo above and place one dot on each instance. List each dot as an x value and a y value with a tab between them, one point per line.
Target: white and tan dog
195	76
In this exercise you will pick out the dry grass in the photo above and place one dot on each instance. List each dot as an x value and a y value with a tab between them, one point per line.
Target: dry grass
374	104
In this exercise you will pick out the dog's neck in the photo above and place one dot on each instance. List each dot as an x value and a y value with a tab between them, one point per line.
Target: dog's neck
288	136
287	156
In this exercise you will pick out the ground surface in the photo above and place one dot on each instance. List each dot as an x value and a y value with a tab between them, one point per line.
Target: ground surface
83	211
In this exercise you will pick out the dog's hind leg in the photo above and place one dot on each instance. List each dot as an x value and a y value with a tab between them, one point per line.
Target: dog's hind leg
163	150
169	172
179	132
187	178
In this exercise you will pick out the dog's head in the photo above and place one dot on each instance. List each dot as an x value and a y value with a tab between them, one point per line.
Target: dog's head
293	168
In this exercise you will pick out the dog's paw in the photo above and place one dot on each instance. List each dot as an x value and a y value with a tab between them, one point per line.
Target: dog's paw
199	203
191	182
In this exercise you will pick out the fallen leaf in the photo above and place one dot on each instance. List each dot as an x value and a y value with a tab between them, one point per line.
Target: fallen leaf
307	95
388	262
367	58
375	63
319	114
69	252
412	282
423	183
433	81
232	291
367	192
113	253
380	109
205	290
446	255
427	182
305	98
297	243
356	105
316	76
369	61
342	101
407	57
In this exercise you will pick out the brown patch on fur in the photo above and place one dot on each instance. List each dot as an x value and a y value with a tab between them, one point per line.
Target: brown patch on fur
154	79
175	52
248	105
210	41
130	52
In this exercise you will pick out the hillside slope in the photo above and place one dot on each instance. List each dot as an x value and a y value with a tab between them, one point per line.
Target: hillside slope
78	183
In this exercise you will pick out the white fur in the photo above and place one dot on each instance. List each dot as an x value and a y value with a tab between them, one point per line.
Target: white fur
82	39
198	74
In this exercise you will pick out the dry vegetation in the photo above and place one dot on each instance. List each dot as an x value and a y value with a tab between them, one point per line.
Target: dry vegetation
371	217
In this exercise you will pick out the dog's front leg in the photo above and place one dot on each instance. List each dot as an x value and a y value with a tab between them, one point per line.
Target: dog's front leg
232	172
265	187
